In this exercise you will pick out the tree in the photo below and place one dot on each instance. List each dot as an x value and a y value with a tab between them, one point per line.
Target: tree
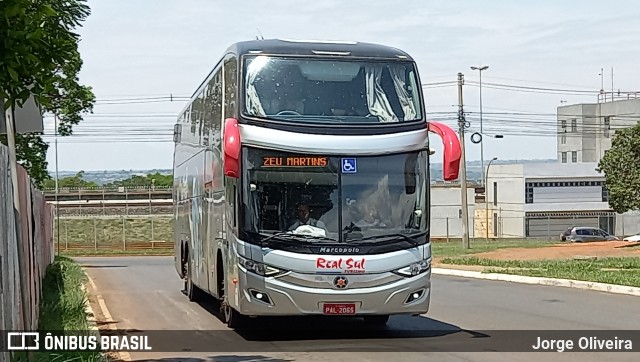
621	166
157	179
39	55
76	181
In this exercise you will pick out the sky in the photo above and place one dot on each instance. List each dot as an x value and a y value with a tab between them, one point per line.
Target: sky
143	57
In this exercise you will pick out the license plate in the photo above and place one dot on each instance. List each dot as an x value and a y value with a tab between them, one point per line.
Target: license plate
340	308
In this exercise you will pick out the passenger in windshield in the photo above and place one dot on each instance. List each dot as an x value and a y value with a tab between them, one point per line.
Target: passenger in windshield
305	219
370	218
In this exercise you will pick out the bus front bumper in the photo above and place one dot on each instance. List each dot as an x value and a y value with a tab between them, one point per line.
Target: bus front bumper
259	296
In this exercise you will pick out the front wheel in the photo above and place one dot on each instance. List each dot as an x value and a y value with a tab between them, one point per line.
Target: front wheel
232	317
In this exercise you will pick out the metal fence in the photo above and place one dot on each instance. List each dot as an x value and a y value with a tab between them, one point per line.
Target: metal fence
25	252
131	232
543	227
114	232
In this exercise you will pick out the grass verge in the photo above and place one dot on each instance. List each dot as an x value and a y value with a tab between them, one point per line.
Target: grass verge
62	309
449	249
619	270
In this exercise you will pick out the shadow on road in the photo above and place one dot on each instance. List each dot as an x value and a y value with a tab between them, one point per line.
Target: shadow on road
321	333
88	266
220	358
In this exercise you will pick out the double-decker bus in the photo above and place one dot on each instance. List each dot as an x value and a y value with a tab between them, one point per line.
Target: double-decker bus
302	182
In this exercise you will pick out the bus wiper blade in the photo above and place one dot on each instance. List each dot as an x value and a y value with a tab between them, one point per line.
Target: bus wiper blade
385	236
283	236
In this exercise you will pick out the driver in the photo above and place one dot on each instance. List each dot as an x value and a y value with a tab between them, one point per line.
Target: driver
305	219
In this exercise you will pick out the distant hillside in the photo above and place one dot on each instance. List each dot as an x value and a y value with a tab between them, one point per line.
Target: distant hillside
474	171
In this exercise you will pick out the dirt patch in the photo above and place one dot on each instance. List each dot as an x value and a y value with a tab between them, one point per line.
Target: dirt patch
566	251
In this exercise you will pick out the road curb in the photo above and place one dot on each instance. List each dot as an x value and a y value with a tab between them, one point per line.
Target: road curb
567	283
91	316
124	356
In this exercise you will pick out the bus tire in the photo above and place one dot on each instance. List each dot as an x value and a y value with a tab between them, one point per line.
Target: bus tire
193	292
376	320
231	317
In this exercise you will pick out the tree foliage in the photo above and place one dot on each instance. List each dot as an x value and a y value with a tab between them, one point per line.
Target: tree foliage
76	181
39	55
157	179
621	166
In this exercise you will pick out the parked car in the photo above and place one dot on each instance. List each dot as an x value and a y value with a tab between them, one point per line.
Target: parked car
586	234
563	236
635	237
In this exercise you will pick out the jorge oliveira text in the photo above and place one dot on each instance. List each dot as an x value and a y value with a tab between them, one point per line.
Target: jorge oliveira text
583	344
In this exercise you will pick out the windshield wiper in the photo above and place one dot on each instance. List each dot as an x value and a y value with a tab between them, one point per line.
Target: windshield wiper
299	238
404	237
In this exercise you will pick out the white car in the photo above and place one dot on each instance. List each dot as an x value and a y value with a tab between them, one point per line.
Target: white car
635	237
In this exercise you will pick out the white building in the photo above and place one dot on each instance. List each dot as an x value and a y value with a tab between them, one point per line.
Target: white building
542	200
446	210
585	130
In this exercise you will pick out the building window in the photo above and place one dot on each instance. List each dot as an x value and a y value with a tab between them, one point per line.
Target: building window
495	224
574	125
563	131
574	156
495	194
564	157
605	194
528	193
607	126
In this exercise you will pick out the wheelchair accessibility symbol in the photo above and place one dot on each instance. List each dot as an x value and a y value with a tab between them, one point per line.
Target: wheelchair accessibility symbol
349	165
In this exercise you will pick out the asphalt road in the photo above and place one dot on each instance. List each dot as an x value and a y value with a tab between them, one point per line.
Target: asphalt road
145	294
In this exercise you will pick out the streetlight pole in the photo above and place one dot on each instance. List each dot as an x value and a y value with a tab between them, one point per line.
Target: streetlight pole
486	199
55	128
480	69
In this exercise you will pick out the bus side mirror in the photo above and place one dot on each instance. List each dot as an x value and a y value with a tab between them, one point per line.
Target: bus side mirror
452	151
231	146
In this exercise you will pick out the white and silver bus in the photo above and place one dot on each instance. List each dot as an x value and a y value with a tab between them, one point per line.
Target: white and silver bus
302	182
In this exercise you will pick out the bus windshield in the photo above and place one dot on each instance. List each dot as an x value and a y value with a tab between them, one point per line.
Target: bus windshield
333	199
322	90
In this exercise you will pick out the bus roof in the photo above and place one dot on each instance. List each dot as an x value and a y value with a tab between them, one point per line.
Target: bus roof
318	47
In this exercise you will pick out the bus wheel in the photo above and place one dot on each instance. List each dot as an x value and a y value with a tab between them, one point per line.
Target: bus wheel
232	318
192	291
376	320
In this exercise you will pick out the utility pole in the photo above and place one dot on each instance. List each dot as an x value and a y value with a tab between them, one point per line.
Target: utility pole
462	123
55	127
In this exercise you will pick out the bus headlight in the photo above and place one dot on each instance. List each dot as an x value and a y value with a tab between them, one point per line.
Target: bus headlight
414	269
259	268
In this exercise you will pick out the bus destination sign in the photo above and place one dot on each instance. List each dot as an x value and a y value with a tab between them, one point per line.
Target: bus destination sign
295	161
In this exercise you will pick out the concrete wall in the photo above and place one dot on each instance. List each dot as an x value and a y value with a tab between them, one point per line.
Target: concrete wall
26	250
509	195
628	223
582	139
446	204
622	114
593	136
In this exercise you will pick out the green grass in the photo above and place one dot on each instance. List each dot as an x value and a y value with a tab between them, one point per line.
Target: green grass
62	308
449	249
620	270
111	231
